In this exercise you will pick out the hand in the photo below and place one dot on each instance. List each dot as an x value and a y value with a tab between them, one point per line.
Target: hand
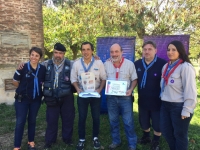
96	57
79	90
20	66
184	117
98	90
128	92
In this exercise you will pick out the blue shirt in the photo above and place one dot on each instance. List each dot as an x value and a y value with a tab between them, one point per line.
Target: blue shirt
26	82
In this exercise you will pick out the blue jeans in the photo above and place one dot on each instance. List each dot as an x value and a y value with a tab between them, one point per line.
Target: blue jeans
29	110
173	128
83	104
123	105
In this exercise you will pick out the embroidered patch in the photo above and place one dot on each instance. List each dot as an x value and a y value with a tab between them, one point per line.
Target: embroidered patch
96	69
138	69
66	78
155	74
66	68
172	81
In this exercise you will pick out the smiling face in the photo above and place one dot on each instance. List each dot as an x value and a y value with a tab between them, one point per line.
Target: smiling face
34	57
149	52
116	53
58	56
86	51
172	53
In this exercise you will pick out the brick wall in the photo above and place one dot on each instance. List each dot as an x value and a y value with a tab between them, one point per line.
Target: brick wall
21	27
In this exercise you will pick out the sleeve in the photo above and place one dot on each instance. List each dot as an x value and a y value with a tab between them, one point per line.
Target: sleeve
133	72
74	73
189	89
102	71
18	74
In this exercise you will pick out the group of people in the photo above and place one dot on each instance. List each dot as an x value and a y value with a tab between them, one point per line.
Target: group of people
166	96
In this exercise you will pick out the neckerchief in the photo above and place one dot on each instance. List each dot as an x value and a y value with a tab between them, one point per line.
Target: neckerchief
87	69
169	69
57	67
144	78
118	67
36	87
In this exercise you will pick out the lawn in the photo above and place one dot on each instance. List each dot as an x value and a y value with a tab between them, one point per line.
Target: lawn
7	125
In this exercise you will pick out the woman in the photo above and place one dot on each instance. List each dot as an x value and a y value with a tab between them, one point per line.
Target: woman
178	95
28	96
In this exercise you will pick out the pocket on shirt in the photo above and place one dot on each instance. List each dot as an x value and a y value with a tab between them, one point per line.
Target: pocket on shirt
175	80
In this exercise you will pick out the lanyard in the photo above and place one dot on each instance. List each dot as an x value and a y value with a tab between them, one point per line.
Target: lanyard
36	86
87	69
118	67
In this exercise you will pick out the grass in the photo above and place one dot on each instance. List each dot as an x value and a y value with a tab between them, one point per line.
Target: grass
7	125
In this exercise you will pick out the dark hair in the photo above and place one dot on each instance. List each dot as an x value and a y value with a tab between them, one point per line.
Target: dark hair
181	50
85	43
149	42
37	50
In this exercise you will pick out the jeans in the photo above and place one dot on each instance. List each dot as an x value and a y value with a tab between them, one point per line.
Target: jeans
173	128
66	110
95	104
123	105
25	109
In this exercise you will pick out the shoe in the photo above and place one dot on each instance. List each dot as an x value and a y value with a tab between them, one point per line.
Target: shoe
155	145
31	146
130	148
69	143
47	146
113	146
144	140
96	144
80	145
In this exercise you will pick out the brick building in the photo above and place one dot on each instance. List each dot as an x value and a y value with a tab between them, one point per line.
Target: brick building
21	27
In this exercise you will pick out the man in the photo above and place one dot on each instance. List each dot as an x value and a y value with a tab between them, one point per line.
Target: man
58	97
88	64
119	68
149	75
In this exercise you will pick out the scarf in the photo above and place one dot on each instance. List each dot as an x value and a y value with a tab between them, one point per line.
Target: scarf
169	69
87	69
36	86
57	67
144	78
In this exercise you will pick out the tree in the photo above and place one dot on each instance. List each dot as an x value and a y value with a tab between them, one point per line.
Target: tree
83	20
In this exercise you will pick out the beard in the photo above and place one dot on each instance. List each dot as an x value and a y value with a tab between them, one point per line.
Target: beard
116	59
57	60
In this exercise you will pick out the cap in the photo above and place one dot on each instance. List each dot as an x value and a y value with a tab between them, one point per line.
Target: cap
59	47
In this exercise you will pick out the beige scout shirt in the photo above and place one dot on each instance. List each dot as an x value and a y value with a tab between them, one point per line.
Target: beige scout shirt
127	71
97	68
181	87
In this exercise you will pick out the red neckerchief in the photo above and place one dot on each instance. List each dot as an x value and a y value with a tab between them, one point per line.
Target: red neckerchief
171	71
118	67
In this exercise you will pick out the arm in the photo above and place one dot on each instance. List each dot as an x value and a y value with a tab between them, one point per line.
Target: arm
130	90
15	83
75	84
103	82
189	90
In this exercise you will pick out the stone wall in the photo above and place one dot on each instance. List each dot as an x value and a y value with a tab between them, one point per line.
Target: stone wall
21	27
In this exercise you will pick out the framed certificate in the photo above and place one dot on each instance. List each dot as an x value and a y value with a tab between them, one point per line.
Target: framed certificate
117	88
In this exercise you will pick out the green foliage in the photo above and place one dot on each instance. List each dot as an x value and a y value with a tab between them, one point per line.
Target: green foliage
74	22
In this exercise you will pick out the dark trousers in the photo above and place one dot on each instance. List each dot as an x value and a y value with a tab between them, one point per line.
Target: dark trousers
66	110
83	104
25	110
173	128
